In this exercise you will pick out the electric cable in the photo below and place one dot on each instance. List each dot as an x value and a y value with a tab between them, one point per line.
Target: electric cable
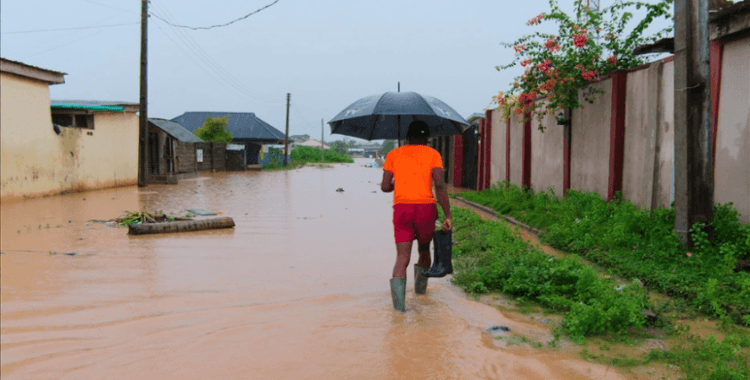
76	28
201	66
219	25
216	67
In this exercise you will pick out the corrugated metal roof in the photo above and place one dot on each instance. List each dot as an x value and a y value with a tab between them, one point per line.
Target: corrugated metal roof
243	125
175	130
94	105
475	115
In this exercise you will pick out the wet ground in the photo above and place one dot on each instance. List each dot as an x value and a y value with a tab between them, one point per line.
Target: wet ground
298	290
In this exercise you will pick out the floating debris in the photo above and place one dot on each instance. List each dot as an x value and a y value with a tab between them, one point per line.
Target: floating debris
198	211
340	190
499	328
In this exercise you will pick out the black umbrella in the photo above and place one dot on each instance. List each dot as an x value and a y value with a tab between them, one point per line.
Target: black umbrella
387	117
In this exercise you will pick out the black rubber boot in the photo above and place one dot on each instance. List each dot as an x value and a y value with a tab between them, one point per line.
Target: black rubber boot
420	282
398	292
443	263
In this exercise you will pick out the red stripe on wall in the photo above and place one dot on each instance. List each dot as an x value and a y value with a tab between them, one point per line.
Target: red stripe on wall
617	134
526	153
488	147
480	155
717	56
566	160
458	159
507	150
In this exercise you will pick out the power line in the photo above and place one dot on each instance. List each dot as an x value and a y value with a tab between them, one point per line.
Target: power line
241	95
109	6
215	66
63	45
76	28
214	26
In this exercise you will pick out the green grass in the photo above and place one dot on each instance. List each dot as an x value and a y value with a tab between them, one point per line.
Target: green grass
497	259
639	243
491	257
303	155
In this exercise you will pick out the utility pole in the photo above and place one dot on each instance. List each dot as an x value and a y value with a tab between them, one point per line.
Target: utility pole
286	139
693	153
322	141
142	112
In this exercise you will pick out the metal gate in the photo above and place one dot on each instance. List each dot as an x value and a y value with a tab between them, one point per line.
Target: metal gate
469	167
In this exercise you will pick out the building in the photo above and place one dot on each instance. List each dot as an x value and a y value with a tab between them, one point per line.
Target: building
54	147
312	143
176	153
248	130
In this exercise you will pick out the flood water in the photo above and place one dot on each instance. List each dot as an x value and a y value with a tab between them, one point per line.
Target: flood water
297	290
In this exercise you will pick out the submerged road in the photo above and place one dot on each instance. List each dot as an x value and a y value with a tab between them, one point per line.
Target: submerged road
298	290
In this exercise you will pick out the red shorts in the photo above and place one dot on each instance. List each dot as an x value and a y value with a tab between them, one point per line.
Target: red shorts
412	221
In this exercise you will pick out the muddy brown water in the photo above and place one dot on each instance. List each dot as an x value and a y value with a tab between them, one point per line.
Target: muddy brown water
298	290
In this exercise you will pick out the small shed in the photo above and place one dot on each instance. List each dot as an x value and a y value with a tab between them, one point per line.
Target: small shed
174	152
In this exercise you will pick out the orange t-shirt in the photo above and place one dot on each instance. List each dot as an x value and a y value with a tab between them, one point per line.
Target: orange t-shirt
412	166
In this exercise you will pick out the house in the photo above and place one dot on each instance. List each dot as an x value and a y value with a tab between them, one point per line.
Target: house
176	153
53	147
247	129
313	143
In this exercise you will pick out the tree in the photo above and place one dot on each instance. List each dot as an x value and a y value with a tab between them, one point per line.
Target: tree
215	129
388	146
587	47
339	147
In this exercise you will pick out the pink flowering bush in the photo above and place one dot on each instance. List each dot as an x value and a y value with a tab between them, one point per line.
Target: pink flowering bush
557	66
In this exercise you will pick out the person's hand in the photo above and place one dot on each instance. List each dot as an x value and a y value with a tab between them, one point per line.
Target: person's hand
447	225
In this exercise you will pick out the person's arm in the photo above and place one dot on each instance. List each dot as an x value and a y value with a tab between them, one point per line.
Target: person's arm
387	185
442	197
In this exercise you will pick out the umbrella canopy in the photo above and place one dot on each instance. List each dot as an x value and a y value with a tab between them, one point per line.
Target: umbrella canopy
387	117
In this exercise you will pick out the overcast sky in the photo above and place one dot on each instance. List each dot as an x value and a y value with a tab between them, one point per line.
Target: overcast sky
326	53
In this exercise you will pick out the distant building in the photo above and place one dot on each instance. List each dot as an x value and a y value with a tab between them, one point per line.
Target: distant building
175	153
247	129
313	143
299	138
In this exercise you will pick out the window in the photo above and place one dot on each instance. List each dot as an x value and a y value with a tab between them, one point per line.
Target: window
74	119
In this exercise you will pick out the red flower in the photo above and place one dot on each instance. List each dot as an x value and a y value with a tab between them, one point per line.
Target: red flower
612	60
588	75
580	39
519	48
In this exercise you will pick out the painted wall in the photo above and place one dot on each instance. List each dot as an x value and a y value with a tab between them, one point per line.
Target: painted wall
663	193
640	136
497	166
516	150
36	161
589	145
732	167
547	155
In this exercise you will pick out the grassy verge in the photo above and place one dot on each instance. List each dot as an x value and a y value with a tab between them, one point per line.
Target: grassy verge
490	257
635	243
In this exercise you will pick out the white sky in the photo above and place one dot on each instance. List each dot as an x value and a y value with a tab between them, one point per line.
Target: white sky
326	53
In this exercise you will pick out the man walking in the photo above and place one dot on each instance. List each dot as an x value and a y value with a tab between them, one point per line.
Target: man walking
410	173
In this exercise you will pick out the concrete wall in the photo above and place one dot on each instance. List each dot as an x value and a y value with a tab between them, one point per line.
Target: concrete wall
516	145
185	157
589	145
732	167
640	135
214	156
547	155
497	165
663	194
36	161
